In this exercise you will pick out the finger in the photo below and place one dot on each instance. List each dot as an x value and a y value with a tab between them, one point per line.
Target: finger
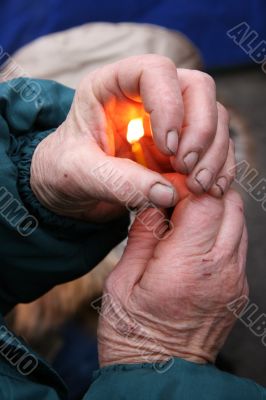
140	248
87	116
125	182
196	223
232	226
207	169
153	80
200	119
227	174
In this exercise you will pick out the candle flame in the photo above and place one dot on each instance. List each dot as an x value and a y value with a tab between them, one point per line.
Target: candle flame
135	130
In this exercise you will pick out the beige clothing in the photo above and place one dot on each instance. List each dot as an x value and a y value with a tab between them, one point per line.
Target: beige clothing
67	56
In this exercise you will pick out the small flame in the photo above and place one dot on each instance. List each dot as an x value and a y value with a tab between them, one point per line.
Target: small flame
135	130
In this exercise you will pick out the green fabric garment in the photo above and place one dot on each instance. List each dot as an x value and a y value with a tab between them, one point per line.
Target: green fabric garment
177	380
61	249
24	374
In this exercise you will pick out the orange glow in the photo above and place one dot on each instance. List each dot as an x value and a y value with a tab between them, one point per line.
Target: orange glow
135	130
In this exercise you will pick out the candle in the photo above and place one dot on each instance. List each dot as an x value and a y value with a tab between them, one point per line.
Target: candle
135	131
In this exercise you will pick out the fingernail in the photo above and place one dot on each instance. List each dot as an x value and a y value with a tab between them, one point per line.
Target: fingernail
172	141
204	178
222	184
162	195
190	161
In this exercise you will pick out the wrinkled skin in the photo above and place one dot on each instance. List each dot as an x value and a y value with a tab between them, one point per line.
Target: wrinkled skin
180	102
168	298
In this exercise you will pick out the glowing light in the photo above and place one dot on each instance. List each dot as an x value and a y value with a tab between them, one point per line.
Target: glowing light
135	130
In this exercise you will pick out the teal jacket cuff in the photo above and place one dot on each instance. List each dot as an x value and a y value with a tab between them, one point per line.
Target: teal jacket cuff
21	153
176	379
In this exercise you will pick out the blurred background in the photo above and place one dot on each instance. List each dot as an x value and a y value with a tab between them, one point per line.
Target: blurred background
62	40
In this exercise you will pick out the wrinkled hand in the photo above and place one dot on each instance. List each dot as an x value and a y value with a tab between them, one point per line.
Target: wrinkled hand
168	298
186	130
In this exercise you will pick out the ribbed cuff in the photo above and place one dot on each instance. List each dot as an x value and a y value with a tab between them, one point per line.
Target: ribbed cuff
22	157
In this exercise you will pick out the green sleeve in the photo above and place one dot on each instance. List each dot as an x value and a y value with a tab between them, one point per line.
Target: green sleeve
175	380
38	248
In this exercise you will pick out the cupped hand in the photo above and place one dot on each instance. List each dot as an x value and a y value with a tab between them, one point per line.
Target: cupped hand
186	130
169	298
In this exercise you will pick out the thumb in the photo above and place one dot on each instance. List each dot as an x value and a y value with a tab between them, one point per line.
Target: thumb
123	181
142	240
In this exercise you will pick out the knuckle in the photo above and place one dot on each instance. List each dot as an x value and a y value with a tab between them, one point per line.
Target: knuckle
158	59
205	79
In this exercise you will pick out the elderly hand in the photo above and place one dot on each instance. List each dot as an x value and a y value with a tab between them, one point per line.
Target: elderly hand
168	298
189	134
